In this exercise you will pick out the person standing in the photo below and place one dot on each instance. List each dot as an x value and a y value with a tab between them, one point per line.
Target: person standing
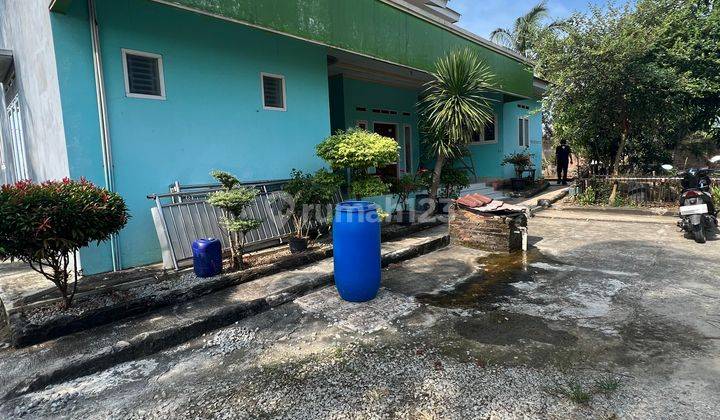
563	157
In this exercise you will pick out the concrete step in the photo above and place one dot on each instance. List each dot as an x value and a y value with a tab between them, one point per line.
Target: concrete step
484	189
32	368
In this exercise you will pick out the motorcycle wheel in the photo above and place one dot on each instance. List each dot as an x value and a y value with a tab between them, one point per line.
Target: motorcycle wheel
699	234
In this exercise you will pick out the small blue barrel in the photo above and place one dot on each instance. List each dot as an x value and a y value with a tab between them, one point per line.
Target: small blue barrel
356	244
207	257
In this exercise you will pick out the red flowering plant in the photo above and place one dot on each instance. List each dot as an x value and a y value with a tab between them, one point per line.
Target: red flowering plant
44	225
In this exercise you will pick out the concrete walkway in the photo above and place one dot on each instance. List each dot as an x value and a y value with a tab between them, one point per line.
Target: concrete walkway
599	320
101	347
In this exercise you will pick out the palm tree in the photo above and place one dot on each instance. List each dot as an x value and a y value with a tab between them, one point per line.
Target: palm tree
525	31
454	107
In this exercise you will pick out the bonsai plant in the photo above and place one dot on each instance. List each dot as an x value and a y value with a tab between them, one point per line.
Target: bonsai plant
308	194
232	200
45	225
357	151
520	160
402	188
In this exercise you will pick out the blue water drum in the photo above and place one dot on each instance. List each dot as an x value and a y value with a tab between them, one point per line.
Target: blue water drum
207	257
356	243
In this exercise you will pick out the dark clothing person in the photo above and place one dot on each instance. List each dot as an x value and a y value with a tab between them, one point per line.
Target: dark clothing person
563	157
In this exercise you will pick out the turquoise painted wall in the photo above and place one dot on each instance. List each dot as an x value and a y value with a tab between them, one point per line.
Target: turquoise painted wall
510	133
487	156
73	54
371	96
213	116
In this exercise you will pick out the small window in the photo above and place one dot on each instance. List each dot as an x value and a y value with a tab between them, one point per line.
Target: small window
524	132
273	87
143	75
488	133
363	125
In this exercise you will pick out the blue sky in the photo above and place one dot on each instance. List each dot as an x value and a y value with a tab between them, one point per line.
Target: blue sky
483	16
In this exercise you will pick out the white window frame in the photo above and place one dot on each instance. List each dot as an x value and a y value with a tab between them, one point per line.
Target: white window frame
359	122
161	75
262	92
408	142
482	134
525	133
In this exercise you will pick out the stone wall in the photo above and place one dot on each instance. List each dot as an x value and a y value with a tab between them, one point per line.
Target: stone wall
487	232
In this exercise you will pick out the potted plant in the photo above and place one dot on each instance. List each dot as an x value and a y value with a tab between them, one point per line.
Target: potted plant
453	181
402	188
520	160
307	195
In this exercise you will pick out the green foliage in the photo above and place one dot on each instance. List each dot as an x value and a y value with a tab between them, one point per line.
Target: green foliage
520	160
607	385
403	187
226	179
527	30
626	84
307	193
358	150
715	189
232	200
44	224
369	186
454	103
453	181
454	106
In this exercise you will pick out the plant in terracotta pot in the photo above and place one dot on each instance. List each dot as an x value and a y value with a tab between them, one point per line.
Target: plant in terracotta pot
307	196
402	189
520	160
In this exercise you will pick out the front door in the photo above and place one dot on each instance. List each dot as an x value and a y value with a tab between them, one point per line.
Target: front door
387	130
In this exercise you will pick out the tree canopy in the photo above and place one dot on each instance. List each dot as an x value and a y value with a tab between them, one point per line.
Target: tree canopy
628	83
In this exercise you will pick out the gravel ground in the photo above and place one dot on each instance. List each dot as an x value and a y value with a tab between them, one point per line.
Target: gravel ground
622	327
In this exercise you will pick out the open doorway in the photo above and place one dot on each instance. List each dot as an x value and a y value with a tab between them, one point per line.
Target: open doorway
387	130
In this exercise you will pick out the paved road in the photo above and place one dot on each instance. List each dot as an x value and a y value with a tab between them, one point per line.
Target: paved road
602	319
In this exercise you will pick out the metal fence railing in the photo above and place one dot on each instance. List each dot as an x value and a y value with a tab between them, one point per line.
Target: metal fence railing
636	190
183	216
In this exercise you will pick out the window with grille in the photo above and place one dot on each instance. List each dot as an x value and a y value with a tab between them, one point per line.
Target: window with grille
273	87
143	75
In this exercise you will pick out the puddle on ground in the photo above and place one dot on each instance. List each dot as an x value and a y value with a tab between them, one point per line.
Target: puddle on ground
493	282
505	328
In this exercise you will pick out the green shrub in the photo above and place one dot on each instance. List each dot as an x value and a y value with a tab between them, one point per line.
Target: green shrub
45	224
308	192
453	181
403	187
358	150
232	200
369	186
716	196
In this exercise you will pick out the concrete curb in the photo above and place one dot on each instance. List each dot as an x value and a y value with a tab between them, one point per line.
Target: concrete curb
533	210
23	333
146	344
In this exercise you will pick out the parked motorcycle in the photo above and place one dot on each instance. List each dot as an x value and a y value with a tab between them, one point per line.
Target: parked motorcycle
698	214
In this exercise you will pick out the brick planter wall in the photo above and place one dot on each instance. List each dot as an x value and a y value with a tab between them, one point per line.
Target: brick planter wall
487	232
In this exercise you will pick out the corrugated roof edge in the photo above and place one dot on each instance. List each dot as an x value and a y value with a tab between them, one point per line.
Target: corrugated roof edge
415	11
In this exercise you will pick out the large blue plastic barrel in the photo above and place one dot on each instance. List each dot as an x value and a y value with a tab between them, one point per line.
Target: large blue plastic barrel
356	244
207	257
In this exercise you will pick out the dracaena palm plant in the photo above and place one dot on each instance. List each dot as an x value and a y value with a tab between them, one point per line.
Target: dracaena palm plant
454	106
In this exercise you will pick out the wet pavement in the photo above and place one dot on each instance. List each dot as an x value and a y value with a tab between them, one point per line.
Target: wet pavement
600	319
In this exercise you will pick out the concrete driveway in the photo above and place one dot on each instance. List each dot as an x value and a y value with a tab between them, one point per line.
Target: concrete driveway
601	319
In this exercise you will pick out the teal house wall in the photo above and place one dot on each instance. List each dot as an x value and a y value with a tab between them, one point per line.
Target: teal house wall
213	116
360	94
510	134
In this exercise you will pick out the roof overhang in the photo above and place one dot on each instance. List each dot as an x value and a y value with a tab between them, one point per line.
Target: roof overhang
6	63
540	87
393	31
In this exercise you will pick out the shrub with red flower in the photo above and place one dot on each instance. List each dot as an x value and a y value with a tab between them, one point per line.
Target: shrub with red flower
44	225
